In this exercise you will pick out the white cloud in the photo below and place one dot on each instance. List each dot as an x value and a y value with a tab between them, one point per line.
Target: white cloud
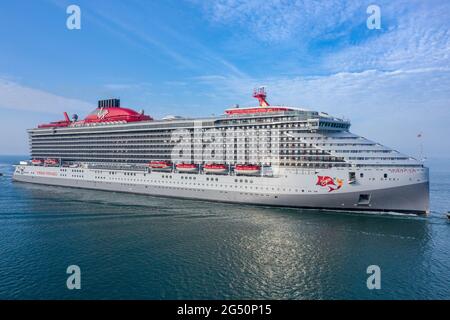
278	20
127	86
18	97
186	51
416	35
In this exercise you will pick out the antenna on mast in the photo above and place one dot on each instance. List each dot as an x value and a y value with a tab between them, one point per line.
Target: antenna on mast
421	155
260	94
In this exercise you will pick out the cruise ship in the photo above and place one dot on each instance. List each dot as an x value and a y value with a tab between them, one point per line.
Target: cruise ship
272	155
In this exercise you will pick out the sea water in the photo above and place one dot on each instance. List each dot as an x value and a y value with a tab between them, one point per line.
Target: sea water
141	247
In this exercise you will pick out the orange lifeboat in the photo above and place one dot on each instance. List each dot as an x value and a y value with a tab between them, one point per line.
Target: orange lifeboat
247	169
187	167
160	165
51	162
215	168
36	162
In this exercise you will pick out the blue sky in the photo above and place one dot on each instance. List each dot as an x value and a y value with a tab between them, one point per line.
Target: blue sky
196	58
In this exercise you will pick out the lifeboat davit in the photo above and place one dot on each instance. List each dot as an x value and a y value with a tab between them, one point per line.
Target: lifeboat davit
187	167
51	162
247	169
36	162
215	168
160	165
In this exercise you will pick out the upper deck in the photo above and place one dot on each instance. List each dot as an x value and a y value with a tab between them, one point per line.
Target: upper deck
263	134
107	112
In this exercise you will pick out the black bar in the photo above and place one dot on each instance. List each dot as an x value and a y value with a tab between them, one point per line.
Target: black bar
233	309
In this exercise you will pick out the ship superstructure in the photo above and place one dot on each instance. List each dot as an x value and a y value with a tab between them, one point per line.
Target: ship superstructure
271	155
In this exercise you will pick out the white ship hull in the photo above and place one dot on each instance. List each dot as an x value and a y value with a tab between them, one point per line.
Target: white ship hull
215	171
187	170
165	169
405	190
247	172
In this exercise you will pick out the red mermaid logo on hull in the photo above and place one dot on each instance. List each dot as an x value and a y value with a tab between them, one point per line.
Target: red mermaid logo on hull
327	181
